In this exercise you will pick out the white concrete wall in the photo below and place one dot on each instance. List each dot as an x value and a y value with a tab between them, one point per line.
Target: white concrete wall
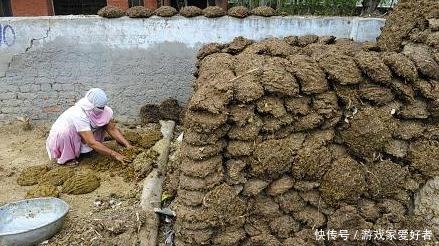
46	63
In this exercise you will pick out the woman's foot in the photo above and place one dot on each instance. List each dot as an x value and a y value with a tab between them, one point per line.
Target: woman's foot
72	163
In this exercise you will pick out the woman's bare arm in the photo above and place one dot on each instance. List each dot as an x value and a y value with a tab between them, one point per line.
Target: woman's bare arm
90	140
115	133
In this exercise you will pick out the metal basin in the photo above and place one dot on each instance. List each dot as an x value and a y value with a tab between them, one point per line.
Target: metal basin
31	221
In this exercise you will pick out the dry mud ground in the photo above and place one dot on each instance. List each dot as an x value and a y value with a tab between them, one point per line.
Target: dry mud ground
20	149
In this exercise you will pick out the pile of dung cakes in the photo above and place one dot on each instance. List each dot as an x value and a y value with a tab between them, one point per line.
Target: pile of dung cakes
411	21
284	137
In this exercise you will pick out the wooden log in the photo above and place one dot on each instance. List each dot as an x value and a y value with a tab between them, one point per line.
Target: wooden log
152	188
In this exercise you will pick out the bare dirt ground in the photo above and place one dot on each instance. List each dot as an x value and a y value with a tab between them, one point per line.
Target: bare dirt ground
91	215
18	149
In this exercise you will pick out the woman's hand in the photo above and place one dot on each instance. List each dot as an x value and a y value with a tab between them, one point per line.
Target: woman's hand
121	158
88	137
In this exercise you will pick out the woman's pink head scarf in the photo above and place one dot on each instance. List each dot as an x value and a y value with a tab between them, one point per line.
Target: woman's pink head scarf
95	106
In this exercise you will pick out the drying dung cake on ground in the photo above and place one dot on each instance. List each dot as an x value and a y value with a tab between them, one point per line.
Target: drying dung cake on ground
85	178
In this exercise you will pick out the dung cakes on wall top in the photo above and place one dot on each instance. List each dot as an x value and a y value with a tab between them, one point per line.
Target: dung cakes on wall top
188	11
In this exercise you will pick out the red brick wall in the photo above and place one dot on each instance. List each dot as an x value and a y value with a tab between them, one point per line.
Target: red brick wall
31	7
45	7
123	4
150	4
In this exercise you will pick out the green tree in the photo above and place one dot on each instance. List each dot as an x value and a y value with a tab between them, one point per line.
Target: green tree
370	7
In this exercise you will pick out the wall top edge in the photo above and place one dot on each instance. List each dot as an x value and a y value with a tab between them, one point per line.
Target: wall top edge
177	17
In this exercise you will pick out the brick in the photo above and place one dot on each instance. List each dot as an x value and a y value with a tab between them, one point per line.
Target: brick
25	80
57	87
150	4
11	103
46	95
46	87
29	88
3	116
52	109
29	96
32	7
8	88
48	102
62	87
10	110
7	95
43	80
123	4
